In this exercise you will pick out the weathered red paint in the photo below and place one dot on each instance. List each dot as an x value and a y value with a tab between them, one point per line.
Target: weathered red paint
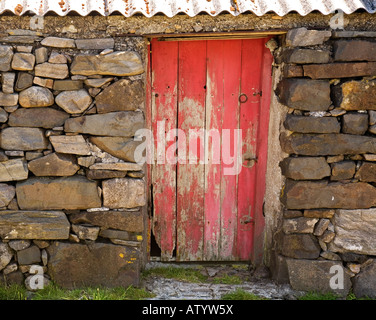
198	210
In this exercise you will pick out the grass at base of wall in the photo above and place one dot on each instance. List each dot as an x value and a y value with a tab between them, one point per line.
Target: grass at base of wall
54	292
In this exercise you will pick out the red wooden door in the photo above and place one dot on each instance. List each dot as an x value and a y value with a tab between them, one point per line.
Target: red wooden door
209	113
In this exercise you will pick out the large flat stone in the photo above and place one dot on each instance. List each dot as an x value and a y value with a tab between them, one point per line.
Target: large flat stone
52	70
73	265
355	231
339	70
74	192
320	195
298	246
13	170
327	144
74	102
366	172
304	94
131	221
120	63
22	138
304	124
97	44
123	95
123	193
121	124
315	276
37	117
119	147
301	37
70	144
354	50
305	168
41	225
364	283
54	164
58	42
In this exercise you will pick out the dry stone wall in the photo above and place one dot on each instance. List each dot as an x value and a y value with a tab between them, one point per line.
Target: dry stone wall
71	194
329	196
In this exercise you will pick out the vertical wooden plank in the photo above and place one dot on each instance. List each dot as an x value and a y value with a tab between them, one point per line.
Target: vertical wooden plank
230	121
164	115
190	176
213	124
262	142
252	51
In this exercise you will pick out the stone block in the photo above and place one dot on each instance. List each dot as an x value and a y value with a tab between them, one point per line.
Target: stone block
69	193
120	124
23	61
131	221
305	56
74	101
339	70
355	123
304	94
327	144
95	44
366	172
343	170
54	164
13	170
302	37
6	255
355	231
319	276
52	70
75	265
70	144
58	42
312	124
298	246
299	225
6	55
23	139
30	255
119	63
354	50
358	95
42	225
36	97
123	193
305	168
321	194
364	283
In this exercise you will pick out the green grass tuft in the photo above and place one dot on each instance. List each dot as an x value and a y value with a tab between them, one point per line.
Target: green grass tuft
240	294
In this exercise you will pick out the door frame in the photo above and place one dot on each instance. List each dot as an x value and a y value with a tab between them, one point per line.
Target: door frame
262	145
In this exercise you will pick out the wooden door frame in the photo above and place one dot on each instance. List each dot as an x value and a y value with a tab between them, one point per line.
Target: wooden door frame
262	144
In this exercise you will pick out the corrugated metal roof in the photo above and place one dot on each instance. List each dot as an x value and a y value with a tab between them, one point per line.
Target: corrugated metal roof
190	7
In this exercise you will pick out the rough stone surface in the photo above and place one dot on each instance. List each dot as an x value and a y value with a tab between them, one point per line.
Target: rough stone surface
122	124
54	164
355	123
119	166
76	265
123	193
13	170
7	82
6	55
52	70
343	170
37	117
354	50
7	193
119	147
316	195
30	255
355	231
23	61
359	95
123	95
70	144
6	255
86	232
105	174
339	70
298	246
98	44
364	284
68	193
366	172
58	42
303	56
67	85
304	94
308	275
120	63
327	144
20	138
36	97
305	168
131	221
299	225
24	81
42	225
312	124
8	99
74	102
301	37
